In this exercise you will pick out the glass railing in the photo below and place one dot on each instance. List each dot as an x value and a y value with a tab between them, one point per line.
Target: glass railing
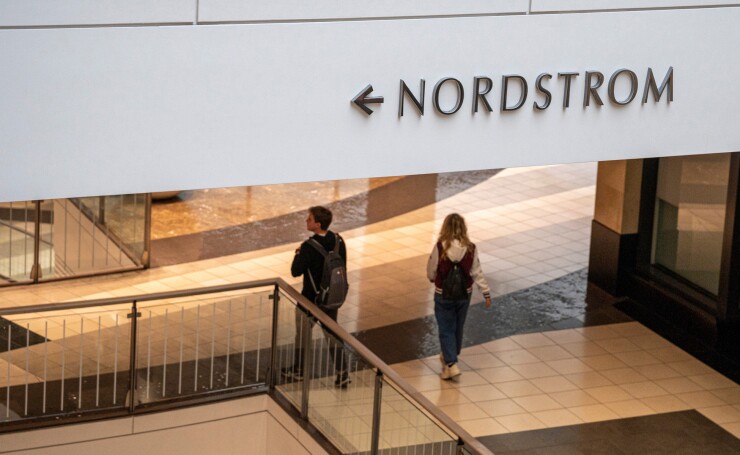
125	355
59	238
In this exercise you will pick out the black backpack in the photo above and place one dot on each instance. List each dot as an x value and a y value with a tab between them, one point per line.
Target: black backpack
453	285
332	291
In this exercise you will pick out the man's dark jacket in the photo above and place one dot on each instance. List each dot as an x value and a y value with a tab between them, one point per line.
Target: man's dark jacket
310	259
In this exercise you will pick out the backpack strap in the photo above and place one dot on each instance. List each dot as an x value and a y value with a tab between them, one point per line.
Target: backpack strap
317	246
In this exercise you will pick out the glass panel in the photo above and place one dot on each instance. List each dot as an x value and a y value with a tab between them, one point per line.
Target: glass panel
289	357
690	217
90	235
64	364
341	393
124	218
192	345
17	226
405	428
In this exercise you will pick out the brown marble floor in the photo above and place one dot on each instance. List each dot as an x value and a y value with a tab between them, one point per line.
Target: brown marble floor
196	211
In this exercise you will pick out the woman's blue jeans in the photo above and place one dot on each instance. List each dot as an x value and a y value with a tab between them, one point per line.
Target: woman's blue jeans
450	316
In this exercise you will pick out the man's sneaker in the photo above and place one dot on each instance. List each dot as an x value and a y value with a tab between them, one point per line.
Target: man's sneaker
342	380
292	374
450	371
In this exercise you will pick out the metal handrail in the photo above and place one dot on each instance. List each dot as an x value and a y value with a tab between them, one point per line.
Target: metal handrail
470	443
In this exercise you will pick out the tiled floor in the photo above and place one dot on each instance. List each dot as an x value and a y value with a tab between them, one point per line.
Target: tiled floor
531	225
565	377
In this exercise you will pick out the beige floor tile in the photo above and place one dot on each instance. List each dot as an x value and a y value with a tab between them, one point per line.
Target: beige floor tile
483	427
569	366
588	379
563	337
480	393
495	408
531	340
615	345
730	395
584	348
503	344
721	414
519	388
665	403
482	361
557	418
630	408
463	411
412	368
535	403
609	394
550	353
516	357
593	413
520	422
553	384
573	398
594	333
534	370
631	329
644	389
446	397
678	385
637	358
657	371
603	362
468	378
473	350
713	381
691	368
623	376
500	374
670	354
701	399
427	383
651	341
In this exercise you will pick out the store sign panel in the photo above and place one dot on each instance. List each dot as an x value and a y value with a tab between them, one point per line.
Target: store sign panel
116	110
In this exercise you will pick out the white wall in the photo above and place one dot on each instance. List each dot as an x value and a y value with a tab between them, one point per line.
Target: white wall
249	426
108	110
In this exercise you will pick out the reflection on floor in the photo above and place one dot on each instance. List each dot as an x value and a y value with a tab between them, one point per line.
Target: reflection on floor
531	226
193	212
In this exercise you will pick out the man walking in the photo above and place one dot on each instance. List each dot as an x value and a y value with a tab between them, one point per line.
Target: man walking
309	262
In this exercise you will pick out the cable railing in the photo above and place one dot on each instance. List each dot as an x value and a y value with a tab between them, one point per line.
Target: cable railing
126	355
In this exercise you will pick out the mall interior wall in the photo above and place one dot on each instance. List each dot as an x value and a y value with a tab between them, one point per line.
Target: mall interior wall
118	97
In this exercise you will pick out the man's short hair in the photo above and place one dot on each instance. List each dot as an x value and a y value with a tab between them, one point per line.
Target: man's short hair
321	215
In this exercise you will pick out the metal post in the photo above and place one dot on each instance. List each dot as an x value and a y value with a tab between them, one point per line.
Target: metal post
307	366
36	267
132	361
146	256
375	430
272	373
461	448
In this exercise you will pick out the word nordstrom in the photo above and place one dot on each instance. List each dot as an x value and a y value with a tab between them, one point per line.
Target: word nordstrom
482	86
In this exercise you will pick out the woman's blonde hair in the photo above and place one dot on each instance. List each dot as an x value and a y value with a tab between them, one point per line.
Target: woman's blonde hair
453	228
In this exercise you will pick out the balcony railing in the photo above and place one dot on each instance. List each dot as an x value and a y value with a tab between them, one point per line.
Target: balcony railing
75	361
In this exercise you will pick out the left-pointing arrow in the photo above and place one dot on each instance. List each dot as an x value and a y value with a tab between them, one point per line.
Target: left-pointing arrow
362	99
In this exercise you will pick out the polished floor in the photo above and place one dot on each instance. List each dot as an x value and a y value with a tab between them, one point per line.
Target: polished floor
539	361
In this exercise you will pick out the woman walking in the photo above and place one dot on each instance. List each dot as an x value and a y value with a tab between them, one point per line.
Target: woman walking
453	267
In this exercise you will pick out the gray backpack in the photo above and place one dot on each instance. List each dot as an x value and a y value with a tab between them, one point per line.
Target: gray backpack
332	291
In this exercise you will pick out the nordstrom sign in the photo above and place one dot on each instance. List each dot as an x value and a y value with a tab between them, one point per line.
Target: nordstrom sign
621	89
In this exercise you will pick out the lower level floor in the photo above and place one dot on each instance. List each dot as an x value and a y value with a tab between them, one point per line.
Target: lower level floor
543	371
